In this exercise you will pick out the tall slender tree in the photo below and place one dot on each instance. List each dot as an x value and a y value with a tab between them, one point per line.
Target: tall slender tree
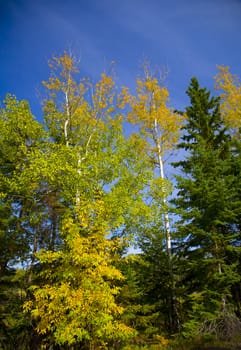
207	204
159	125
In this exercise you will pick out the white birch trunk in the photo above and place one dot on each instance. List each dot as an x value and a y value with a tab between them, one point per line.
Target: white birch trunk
162	174
66	136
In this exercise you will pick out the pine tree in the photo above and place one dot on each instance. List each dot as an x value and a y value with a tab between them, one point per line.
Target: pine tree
207	232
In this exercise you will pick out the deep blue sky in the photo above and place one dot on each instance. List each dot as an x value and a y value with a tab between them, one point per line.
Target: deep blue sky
188	36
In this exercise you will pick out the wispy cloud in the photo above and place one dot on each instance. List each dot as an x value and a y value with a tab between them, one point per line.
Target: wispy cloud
186	32
190	37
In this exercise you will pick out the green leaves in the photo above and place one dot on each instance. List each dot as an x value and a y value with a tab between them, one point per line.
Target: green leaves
91	179
76	192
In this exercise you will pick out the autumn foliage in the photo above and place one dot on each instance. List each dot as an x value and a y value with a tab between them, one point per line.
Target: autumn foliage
98	248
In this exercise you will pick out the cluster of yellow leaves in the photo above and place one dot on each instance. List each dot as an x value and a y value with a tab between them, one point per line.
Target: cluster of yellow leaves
104	94
230	87
79	303
162	341
62	79
77	112
123	98
66	62
150	110
106	102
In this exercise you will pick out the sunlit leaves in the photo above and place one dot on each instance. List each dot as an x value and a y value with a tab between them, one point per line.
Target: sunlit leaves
79	303
151	111
19	131
230	87
78	190
98	179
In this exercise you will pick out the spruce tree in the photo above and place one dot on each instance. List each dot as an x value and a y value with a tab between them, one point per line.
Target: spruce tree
207	233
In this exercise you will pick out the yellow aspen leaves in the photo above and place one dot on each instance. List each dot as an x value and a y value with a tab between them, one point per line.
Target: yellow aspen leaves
230	87
150	110
79	302
123	98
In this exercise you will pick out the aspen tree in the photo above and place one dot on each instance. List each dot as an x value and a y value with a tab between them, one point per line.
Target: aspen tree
159	125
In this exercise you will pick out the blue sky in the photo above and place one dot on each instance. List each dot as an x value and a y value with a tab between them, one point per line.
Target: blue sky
188	37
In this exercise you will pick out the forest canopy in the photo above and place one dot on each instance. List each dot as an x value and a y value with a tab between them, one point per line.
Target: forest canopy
98	248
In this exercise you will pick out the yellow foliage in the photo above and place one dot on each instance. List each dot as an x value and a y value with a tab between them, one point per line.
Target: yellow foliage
79	302
104	94
123	98
78	112
2	195
151	111
163	341
230	87
66	62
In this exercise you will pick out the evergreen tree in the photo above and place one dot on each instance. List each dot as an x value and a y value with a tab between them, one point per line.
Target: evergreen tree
208	230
